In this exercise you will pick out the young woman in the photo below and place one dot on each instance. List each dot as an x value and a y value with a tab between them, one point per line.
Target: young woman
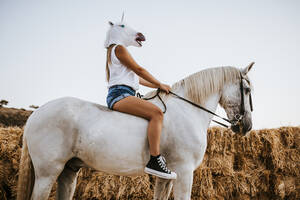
124	76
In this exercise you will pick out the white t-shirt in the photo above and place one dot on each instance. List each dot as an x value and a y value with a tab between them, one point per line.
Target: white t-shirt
119	74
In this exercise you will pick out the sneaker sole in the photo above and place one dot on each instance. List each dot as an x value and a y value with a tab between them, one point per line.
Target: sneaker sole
160	174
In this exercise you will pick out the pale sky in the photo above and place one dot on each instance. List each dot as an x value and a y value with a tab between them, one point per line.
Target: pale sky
54	48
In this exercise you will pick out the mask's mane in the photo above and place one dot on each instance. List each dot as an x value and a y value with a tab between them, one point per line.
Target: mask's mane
199	86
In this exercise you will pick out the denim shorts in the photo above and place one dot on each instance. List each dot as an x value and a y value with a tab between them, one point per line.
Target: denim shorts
118	92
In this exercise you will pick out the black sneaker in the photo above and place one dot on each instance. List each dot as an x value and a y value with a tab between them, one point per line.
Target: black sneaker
157	166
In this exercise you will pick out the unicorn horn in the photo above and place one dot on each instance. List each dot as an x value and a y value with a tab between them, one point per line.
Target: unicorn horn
122	17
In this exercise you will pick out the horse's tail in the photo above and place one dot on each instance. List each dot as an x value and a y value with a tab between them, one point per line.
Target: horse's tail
26	174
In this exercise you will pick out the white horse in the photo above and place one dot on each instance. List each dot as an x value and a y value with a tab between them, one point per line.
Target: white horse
68	133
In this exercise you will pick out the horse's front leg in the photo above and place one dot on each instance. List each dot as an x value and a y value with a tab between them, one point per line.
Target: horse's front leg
163	188
182	188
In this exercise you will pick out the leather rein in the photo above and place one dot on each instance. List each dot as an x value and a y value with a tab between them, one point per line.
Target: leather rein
237	118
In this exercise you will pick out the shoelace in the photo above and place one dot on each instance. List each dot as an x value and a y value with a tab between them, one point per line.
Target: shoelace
162	164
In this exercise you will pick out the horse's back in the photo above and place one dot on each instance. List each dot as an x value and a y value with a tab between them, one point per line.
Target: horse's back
75	112
78	128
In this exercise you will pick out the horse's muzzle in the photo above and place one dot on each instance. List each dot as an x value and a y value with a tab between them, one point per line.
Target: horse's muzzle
243	127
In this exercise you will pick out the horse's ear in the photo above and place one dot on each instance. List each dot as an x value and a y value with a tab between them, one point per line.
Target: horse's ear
248	68
110	23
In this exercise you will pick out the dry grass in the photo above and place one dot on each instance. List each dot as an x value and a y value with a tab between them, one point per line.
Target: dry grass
263	165
10	151
13	116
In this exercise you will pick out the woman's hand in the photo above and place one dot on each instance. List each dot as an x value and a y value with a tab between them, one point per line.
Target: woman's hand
165	88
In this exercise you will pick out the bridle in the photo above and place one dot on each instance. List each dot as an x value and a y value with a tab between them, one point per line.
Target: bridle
237	118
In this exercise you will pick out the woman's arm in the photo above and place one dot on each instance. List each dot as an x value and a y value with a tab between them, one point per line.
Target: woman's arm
126	59
146	83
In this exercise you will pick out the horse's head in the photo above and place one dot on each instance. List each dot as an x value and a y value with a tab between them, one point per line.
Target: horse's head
121	33
237	102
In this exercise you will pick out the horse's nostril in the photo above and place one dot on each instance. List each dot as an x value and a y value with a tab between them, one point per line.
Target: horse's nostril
246	129
249	128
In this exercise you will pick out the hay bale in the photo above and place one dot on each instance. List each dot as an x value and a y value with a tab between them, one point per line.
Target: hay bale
10	151
93	184
262	165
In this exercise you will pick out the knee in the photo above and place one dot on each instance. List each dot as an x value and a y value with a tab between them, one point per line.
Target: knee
157	114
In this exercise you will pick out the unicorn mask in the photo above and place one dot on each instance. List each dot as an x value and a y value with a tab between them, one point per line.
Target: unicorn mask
121	33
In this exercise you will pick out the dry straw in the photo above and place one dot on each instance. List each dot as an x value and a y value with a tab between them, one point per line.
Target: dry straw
264	164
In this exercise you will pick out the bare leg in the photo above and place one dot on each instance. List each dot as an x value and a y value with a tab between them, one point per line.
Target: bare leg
138	107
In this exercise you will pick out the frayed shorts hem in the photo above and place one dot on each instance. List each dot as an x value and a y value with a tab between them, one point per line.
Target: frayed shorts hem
115	100
117	93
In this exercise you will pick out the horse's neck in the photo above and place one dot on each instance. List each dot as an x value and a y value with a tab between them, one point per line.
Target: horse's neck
211	103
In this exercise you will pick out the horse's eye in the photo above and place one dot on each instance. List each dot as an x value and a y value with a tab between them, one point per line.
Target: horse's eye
123	26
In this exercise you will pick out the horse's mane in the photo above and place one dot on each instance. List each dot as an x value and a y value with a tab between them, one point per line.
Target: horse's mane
200	85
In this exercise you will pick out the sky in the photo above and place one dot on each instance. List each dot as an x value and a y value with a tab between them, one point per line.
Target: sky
54	48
